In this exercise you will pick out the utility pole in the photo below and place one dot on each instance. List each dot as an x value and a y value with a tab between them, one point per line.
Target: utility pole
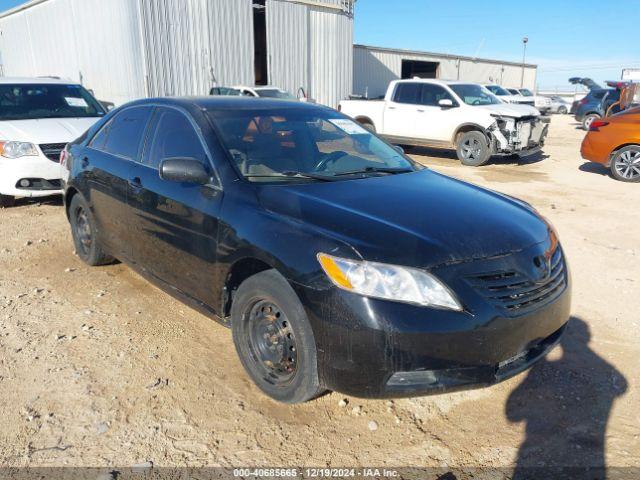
525	40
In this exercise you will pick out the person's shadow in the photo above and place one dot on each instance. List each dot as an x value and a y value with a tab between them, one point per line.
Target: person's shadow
565	405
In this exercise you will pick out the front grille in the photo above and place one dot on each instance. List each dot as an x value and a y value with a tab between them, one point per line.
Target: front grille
516	293
52	150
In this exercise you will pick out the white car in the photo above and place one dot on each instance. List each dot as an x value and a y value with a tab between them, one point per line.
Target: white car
460	116
508	97
262	91
541	103
38	117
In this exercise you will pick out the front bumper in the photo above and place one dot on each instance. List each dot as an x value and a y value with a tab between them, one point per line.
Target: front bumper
519	136
44	176
376	348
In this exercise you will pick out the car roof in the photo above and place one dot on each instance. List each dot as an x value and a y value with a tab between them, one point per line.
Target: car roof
437	81
228	103
257	87
37	80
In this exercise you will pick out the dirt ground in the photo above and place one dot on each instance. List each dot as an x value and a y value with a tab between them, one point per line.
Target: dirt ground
99	368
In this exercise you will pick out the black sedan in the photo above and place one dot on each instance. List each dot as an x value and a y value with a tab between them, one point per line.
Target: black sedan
337	261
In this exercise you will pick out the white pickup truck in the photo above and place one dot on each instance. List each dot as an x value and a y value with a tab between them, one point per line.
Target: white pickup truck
459	116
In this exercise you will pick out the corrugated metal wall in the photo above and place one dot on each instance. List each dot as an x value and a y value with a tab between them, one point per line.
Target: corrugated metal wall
375	68
192	45
311	47
64	38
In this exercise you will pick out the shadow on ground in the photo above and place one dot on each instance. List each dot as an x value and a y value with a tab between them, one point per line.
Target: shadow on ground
592	167
565	405
495	160
55	200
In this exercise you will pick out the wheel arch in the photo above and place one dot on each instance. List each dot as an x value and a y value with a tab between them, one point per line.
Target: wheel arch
620	147
364	119
469	127
238	272
68	196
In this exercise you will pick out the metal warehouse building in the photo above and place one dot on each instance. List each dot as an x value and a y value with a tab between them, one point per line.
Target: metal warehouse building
375	67
127	49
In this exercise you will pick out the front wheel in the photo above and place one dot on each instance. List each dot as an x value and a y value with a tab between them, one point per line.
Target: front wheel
472	149
588	120
625	164
562	110
274	340
7	201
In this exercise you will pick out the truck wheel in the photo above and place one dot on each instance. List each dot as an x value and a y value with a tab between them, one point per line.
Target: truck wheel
473	149
367	125
85	235
625	164
274	339
7	201
588	120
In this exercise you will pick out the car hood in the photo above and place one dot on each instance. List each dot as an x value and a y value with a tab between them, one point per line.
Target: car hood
421	219
45	130
511	110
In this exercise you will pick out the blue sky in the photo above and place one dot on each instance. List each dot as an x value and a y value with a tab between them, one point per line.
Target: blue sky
566	37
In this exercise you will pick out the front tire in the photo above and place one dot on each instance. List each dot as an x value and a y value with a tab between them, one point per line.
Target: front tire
274	339
7	201
588	120
85	234
625	164
472	149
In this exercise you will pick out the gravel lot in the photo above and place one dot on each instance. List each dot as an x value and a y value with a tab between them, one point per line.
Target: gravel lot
99	368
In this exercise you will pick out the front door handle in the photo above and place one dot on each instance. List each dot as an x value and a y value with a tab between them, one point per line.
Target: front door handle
85	162
135	183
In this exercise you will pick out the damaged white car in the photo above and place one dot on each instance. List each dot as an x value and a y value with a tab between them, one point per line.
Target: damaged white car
460	116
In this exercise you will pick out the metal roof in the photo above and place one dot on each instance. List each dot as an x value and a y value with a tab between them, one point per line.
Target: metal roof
449	56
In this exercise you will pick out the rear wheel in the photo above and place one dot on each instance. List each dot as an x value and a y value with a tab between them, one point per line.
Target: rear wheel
85	235
367	125
562	110
625	164
472	149
7	201
274	339
588	120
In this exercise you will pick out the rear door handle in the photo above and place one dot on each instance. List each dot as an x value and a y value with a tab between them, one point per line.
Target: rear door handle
391	108
420	110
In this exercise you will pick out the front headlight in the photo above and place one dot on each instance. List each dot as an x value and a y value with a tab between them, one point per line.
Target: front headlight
18	149
389	282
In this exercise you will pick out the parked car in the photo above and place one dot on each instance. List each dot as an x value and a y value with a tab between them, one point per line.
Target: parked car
258	91
337	261
461	116
508	97
615	142
559	105
38	116
540	102
590	107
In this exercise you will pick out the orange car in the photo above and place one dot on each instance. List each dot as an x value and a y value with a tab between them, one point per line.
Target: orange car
615	142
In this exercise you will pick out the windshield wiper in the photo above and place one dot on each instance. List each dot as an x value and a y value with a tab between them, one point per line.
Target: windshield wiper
292	174
391	171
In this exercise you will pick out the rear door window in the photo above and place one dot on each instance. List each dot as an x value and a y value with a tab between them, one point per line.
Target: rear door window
125	133
407	93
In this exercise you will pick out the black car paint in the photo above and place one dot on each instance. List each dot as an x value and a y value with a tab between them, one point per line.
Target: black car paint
597	102
199	242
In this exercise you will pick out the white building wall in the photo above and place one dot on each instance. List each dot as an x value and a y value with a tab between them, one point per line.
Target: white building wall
375	68
62	38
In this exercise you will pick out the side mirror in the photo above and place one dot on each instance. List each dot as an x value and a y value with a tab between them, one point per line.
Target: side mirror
184	170
398	149
446	103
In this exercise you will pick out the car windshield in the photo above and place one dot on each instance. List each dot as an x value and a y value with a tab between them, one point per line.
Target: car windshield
34	101
296	144
497	90
475	95
274	93
526	93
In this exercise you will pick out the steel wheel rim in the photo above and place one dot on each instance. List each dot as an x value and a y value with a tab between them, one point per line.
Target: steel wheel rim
471	149
588	122
272	343
83	230
627	164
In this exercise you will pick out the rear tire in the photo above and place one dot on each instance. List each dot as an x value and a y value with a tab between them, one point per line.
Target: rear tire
588	120
274	339
472	149
562	110
85	234
367	125
7	201
625	164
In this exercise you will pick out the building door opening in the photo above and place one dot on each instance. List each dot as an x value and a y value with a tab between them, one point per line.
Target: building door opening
420	69
260	42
